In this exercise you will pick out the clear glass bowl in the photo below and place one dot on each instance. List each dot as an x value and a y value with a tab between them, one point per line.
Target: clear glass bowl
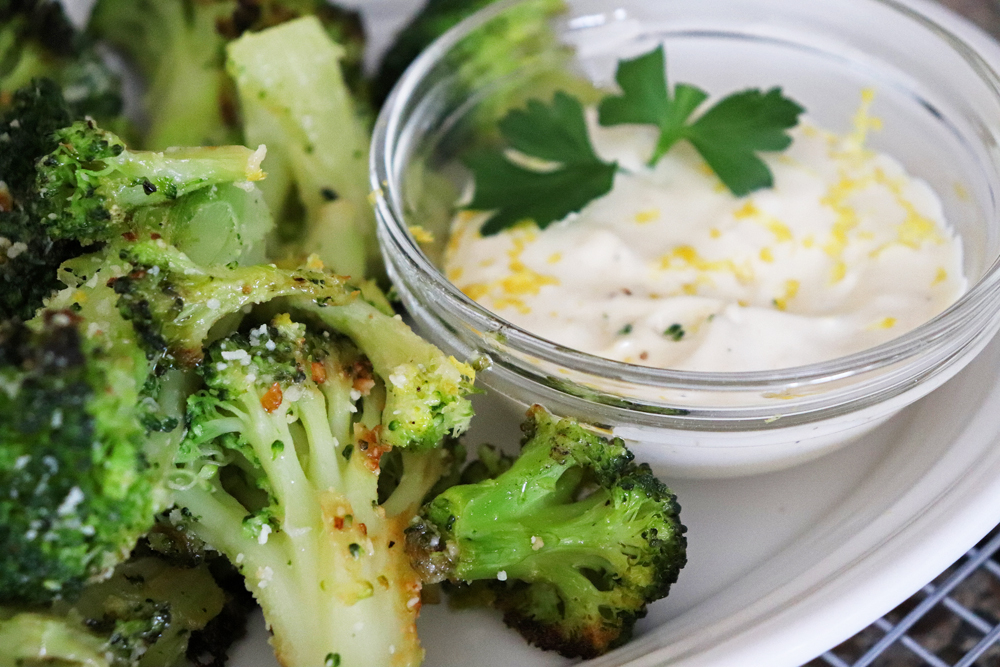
939	100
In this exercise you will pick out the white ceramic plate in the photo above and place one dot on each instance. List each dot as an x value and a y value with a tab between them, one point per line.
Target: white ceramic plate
781	566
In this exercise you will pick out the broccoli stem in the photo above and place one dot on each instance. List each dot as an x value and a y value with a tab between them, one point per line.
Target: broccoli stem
288	77
421	470
177	47
176	172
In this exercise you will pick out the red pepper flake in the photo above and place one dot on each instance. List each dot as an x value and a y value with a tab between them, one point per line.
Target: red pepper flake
361	376
318	372
271	400
363	385
363	528
369	445
155	236
338	522
130	237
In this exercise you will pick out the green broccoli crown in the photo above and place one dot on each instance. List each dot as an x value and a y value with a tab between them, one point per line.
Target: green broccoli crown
583	537
69	179
91	188
426	390
77	490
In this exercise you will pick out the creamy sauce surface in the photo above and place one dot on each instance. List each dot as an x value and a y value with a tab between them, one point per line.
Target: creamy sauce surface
670	270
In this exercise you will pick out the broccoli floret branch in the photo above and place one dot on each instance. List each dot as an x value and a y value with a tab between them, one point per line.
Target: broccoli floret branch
576	537
91	185
174	305
284	474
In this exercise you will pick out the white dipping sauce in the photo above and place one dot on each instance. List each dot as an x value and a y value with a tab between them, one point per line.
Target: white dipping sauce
670	270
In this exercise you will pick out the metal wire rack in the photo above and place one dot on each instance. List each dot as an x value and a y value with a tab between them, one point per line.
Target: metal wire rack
954	621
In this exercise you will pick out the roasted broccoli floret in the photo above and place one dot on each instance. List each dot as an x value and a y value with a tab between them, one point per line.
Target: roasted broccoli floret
92	188
37	40
295	101
283	450
576	537
178	46
147	614
67	187
174	305
78	488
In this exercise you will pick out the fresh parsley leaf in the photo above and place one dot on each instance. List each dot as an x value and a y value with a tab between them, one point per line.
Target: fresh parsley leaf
570	177
647	101
728	136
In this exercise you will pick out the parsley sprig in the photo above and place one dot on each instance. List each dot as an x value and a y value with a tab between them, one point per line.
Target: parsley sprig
556	134
728	135
551	169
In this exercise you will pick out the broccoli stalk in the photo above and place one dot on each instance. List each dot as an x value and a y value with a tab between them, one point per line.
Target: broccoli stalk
576	537
285	445
295	101
31	637
178	47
